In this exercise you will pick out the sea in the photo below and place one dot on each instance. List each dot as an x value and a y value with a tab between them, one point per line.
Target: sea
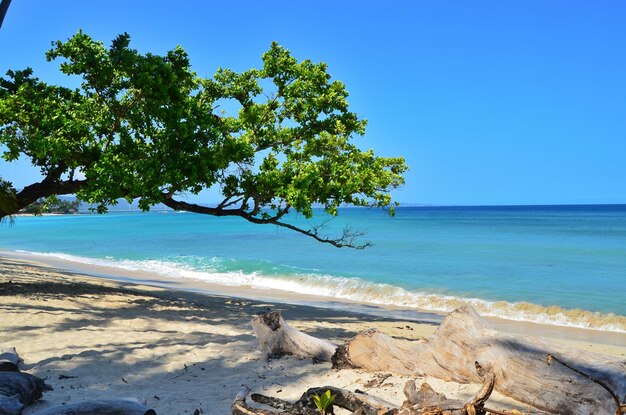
556	265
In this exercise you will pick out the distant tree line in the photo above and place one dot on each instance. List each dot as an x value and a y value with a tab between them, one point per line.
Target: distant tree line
52	205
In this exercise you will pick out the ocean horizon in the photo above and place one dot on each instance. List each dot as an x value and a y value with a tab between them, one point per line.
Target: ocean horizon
561	265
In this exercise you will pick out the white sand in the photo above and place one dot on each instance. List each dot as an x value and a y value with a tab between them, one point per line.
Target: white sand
182	351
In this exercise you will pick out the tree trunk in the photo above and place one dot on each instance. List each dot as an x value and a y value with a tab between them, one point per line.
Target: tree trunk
465	350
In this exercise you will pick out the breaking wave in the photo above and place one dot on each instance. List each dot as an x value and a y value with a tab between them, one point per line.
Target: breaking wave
219	271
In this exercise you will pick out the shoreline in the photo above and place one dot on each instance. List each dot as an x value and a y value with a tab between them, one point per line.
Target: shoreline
96	338
586	338
183	351
526	279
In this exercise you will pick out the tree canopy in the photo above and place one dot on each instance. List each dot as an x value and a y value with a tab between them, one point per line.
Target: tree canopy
273	140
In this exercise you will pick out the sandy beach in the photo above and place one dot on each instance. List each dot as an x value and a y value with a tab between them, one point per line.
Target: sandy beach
188	352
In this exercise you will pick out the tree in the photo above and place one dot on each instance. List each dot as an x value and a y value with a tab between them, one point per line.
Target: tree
141	126
52	205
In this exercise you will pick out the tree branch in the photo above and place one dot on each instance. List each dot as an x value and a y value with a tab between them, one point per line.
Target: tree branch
229	202
347	238
45	188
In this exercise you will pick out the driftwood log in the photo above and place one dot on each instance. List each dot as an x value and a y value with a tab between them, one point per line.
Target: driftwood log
552	378
422	401
100	407
277	338
9	360
18	390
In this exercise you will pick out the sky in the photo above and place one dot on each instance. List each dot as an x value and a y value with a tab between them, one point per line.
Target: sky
490	102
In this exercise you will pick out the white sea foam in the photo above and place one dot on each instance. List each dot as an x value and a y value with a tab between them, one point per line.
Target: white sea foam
362	291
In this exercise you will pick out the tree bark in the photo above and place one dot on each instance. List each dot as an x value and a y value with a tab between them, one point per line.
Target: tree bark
465	350
47	188
44	188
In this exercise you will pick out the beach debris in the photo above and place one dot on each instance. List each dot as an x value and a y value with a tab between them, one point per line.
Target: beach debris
305	405
465	349
9	360
11	405
277	338
63	377
377	380
17	390
422	401
101	407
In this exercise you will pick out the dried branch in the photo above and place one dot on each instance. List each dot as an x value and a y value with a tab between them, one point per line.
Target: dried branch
476	404
296	408
240	407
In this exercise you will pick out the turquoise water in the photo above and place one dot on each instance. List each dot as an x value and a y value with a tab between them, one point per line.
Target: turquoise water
523	263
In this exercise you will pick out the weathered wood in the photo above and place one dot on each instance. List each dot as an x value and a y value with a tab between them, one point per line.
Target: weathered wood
295	408
464	349
518	364
425	395
241	407
424	401
100	407
277	338
476	404
11	405
18	390
9	360
352	401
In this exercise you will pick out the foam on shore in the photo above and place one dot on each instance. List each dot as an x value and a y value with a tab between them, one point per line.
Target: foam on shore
360	291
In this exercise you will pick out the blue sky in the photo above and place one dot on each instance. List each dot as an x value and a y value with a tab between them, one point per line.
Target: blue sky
490	102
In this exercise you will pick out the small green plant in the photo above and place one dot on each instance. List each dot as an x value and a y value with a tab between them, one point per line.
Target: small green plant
323	401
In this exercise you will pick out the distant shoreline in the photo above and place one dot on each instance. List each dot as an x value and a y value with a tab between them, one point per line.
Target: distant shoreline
45	214
402	205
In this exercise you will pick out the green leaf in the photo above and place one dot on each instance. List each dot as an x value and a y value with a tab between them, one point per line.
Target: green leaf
323	401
